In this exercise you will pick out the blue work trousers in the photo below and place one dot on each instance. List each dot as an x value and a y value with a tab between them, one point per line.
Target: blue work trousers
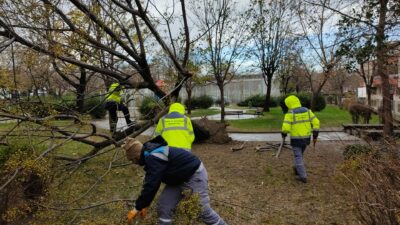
298	160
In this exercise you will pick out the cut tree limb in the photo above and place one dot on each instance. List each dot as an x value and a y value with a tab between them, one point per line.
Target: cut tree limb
234	149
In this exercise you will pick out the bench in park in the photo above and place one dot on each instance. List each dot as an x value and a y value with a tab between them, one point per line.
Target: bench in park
357	129
259	111
234	112
350	128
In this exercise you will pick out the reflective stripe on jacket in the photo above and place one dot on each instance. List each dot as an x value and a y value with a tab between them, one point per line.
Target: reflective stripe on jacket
298	121
114	93
176	128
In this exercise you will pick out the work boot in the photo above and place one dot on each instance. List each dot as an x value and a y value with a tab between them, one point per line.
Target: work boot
302	179
130	123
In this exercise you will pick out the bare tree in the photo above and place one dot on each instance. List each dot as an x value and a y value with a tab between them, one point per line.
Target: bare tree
224	41
359	58
378	22
337	83
194	81
291	74
270	32
321	42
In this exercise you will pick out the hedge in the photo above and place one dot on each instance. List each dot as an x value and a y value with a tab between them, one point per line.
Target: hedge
95	107
258	101
201	102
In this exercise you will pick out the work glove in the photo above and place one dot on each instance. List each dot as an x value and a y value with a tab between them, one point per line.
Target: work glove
315	134
284	135
134	213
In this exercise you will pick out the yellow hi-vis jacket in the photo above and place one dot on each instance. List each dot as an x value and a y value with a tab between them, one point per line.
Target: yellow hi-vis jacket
176	128
298	121
114	93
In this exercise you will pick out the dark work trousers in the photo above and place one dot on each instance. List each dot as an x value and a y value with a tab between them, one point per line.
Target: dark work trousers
171	195
112	108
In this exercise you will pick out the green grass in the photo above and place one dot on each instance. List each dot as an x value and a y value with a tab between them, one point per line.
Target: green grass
33	134
70	183
271	121
203	112
330	117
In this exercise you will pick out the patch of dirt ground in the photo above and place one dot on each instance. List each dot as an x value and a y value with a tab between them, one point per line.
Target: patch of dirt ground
249	187
246	187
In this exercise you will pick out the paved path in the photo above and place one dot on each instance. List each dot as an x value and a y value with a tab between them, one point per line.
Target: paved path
228	117
324	136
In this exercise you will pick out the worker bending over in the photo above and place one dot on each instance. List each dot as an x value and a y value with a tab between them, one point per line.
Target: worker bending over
175	167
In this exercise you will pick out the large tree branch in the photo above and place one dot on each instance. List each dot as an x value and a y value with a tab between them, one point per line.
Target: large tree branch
187	35
110	32
157	36
117	75
96	44
63	75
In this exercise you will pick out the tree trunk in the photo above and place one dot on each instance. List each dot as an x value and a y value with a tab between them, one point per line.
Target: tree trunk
189	101
80	91
340	97
369	92
221	91
313	101
268	95
381	70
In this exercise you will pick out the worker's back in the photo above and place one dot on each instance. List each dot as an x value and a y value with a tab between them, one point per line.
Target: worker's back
176	128
114	93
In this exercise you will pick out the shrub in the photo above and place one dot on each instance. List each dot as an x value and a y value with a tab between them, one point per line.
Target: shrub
189	209
305	100
258	101
65	108
274	102
218	102
352	151
321	103
374	184
148	108
201	102
95	107
5	153
253	101
28	185
37	109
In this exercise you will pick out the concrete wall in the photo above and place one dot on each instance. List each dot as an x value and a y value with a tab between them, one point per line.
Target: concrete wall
235	91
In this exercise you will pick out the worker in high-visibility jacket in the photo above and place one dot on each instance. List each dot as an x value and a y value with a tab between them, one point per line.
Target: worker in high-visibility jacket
300	123
114	104
176	128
